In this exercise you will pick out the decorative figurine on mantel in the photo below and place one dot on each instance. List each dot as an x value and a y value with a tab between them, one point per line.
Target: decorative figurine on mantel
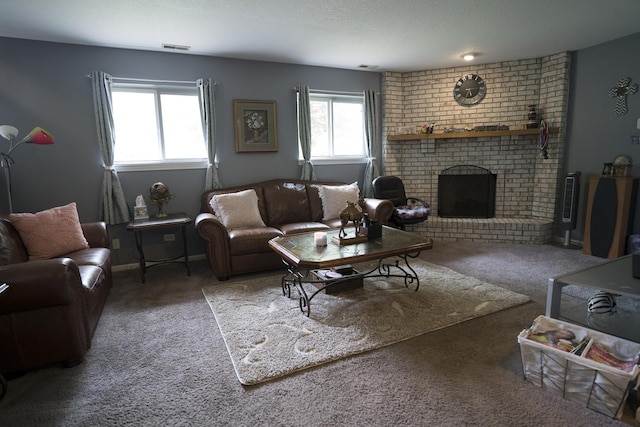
427	128
532	116
160	195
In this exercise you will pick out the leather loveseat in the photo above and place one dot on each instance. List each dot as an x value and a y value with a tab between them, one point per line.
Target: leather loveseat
51	309
285	206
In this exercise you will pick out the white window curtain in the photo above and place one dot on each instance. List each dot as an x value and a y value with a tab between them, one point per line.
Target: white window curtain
113	206
304	133
206	90
372	169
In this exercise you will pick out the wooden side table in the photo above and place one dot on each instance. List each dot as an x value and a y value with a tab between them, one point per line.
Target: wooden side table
154	223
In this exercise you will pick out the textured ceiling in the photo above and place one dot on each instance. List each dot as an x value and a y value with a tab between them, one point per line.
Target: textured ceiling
399	35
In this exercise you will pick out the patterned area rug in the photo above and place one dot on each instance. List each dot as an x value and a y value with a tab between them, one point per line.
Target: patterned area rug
268	337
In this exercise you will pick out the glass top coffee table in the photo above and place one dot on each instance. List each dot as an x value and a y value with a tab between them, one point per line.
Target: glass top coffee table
614	276
303	260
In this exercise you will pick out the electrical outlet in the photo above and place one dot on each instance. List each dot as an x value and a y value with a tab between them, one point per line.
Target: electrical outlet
169	237
115	243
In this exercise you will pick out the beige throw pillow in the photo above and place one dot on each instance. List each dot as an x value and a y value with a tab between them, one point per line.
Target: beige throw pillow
50	233
238	210
335	197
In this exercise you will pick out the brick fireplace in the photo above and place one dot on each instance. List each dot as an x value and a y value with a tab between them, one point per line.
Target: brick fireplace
527	184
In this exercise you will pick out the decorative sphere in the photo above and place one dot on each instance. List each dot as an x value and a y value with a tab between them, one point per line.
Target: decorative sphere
159	193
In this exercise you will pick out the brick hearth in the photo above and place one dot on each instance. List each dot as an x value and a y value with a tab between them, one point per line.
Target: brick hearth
513	230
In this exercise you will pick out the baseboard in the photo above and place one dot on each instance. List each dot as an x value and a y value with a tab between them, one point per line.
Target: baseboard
135	265
573	244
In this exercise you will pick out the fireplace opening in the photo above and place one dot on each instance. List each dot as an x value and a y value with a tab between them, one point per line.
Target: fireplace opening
466	191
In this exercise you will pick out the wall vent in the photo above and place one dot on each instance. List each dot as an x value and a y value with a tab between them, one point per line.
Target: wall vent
175	46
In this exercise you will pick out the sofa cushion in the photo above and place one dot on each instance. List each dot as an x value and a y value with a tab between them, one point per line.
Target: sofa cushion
335	197
286	202
50	233
303	227
333	223
314	202
5	249
238	210
99	257
13	243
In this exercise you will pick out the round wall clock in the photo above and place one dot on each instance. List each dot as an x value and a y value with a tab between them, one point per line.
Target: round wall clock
469	90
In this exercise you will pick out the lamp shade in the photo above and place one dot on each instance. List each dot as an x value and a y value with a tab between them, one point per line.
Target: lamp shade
8	132
36	136
39	136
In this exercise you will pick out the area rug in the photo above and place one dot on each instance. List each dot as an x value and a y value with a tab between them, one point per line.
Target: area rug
268	337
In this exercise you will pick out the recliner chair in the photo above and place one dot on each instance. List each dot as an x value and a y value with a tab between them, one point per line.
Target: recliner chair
408	210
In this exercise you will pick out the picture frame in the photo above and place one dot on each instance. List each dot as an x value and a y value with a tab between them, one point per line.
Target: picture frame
255	125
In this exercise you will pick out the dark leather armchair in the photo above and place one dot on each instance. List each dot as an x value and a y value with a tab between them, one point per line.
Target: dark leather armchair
51	308
408	210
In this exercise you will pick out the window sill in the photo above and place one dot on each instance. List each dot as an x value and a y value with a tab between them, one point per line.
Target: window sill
336	161
163	165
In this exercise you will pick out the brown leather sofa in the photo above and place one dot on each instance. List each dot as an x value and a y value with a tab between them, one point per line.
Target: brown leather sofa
51	309
286	206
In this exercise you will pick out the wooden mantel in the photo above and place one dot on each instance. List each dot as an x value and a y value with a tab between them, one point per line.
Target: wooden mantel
471	134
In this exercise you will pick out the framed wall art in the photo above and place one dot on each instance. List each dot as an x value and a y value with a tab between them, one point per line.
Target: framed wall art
255	124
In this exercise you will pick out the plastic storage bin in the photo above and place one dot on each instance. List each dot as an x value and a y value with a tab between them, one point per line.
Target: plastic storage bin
581	376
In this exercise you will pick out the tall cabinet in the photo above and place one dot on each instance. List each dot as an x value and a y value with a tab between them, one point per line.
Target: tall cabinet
610	212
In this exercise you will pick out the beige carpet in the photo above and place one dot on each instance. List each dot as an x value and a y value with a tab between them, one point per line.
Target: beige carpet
267	335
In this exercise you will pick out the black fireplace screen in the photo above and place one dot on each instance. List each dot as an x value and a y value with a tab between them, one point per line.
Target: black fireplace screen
466	191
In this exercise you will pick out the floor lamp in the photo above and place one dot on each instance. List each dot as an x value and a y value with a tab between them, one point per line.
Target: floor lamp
36	136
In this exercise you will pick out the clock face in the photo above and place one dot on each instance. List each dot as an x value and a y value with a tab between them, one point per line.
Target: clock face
469	90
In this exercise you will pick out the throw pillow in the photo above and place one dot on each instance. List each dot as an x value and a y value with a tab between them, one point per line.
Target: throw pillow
50	233
238	210
335	197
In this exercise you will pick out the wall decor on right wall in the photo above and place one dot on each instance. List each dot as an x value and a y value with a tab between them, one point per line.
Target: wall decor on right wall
620	92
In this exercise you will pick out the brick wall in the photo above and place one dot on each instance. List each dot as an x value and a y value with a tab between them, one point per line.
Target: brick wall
527	184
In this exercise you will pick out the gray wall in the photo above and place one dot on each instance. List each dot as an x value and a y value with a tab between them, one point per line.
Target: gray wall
45	84
595	134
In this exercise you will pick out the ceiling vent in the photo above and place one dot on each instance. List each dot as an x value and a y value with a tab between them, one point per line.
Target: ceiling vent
175	46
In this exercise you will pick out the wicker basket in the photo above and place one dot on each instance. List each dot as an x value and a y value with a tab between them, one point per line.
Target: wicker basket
595	385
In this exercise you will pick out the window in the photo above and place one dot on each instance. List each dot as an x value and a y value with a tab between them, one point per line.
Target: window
337	127
157	127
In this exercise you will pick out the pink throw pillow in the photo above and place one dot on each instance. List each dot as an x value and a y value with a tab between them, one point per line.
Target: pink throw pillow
50	233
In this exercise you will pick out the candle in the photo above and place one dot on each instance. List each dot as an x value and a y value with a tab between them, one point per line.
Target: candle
320	238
